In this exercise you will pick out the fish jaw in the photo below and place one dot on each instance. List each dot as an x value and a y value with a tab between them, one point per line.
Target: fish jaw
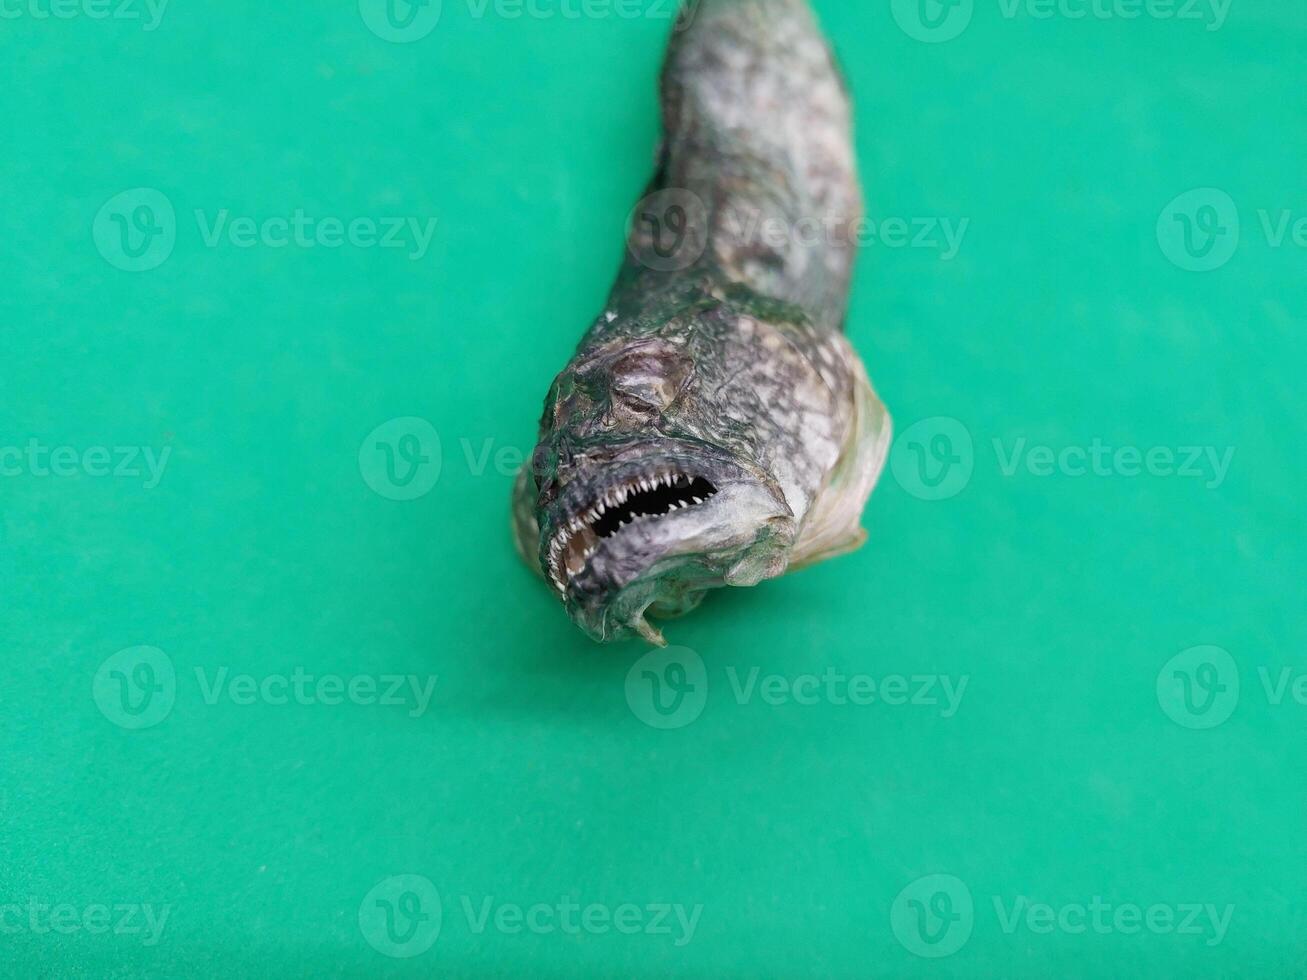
652	535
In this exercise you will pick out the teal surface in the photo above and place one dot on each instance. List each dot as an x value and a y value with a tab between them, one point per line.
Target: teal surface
279	700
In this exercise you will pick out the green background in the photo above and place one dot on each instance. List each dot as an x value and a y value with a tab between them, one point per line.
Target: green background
1061	776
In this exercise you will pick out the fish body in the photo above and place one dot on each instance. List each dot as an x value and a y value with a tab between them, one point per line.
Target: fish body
715	426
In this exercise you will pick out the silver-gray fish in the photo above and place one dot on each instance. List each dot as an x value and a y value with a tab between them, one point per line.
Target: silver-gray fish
715	427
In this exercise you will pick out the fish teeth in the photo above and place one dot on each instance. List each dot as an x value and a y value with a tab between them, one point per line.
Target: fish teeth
608	500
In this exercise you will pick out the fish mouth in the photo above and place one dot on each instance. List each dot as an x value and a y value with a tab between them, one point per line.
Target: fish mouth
640	532
621	507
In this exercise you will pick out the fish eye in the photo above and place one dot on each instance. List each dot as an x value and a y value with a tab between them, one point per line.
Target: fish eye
650	381
643	401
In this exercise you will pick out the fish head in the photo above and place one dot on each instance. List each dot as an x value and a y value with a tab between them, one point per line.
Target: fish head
665	468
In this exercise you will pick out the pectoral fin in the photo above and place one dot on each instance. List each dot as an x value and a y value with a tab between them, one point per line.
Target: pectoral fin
834	523
526	531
